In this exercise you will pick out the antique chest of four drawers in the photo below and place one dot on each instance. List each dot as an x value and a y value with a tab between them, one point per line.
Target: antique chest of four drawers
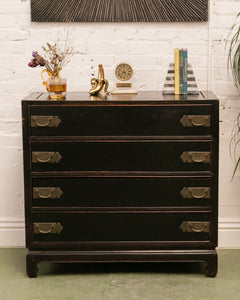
128	178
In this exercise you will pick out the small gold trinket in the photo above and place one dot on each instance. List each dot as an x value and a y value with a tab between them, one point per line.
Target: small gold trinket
98	83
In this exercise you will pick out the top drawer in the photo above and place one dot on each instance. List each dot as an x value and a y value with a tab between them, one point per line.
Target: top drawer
122	120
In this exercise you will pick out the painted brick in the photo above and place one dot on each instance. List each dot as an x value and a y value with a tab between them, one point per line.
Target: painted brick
147	46
228	9
7	21
17	35
14	7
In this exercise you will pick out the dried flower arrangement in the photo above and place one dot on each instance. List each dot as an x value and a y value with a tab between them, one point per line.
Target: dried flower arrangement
55	56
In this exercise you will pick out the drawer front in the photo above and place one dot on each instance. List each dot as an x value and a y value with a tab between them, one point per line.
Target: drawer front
122	192
121	156
129	120
83	227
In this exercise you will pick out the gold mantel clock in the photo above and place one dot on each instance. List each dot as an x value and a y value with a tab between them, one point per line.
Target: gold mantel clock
123	73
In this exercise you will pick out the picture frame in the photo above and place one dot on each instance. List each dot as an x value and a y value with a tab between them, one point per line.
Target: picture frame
119	10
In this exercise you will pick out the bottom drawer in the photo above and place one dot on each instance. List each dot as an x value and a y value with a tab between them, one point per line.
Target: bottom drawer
124	226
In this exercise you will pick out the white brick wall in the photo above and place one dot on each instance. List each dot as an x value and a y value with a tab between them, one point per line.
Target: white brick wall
149	48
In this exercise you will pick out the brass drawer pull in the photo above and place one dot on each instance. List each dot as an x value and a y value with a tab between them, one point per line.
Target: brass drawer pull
196	120
45	228
195	157
192	226
45	121
47	193
196	192
46	157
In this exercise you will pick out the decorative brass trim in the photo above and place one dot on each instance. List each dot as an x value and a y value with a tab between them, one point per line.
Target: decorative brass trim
196	120
45	228
196	192
193	226
123	84
47	193
196	157
45	121
46	157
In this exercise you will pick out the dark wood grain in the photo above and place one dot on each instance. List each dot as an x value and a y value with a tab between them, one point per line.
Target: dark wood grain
119	10
128	120
142	97
121	192
208	256
121	177
111	155
125	226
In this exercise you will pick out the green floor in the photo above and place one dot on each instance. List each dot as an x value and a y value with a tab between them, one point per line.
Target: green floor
118	281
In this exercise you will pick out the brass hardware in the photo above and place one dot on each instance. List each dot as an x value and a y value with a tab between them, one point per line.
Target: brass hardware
193	226
196	192
123	84
195	157
45	228
46	157
47	193
45	121
196	120
98	83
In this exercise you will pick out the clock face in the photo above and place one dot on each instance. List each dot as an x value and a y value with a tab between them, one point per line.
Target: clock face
124	72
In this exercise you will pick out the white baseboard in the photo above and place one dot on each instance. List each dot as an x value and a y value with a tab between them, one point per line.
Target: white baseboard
12	233
229	234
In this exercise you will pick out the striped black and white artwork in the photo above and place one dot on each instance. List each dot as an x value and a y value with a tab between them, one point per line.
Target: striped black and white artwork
169	86
119	10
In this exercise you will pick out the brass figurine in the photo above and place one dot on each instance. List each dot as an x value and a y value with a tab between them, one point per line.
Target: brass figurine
98	83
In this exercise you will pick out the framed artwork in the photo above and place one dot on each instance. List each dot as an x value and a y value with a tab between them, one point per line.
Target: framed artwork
119	10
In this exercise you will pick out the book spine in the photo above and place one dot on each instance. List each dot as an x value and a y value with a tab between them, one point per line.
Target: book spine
176	71
181	71
185	70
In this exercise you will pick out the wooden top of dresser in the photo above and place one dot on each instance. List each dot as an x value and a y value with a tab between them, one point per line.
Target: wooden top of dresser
141	96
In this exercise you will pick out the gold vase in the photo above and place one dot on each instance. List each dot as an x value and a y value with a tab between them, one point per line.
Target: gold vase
55	85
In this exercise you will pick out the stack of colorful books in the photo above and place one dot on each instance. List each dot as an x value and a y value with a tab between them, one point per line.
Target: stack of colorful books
180	71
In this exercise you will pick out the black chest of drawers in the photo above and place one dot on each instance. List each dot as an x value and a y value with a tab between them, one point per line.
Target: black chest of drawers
121	179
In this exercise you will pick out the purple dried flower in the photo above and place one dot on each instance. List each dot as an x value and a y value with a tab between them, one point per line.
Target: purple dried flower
32	64
54	58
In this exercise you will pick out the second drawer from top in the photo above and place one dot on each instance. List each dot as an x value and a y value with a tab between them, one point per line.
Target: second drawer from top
117	155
